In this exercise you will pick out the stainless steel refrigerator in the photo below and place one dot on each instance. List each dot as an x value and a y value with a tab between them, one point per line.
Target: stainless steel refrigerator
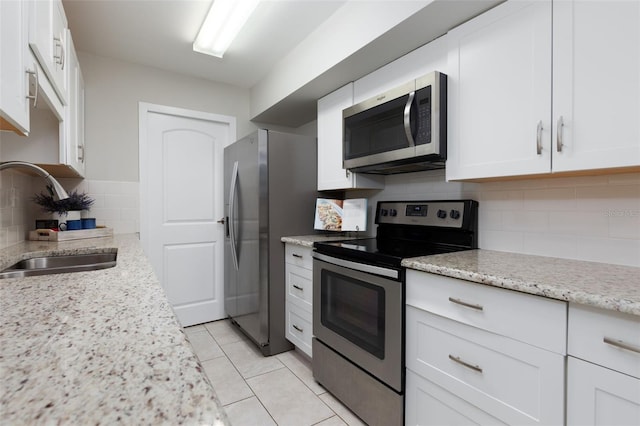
270	192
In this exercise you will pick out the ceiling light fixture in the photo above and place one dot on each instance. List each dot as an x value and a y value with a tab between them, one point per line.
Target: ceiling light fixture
222	24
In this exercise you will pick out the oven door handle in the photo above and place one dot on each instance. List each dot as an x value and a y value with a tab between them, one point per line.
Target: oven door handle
362	267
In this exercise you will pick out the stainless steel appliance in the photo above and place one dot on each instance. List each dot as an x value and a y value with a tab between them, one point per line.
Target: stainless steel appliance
402	130
359	301
270	192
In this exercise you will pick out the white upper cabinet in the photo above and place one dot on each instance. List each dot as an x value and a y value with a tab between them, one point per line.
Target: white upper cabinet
331	175
500	93
524	103
73	137
47	38
14	67
596	84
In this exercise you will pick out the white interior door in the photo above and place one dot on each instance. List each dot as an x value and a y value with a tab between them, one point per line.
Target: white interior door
181	178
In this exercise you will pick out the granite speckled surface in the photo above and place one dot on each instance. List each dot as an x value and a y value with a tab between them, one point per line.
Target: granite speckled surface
602	285
96	347
308	240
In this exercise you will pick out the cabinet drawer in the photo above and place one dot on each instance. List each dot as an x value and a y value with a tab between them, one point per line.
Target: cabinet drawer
299	330
428	404
588	329
508	379
300	286
531	319
298	255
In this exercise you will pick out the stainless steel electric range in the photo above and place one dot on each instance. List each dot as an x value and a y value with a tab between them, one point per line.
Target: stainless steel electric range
359	301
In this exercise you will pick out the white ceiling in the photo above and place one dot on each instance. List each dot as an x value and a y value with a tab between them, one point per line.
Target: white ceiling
160	33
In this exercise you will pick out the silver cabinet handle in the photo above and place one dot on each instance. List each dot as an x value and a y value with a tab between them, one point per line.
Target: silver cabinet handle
620	344
464	363
297	287
35	95
299	256
297	328
466	304
539	138
81	153
559	143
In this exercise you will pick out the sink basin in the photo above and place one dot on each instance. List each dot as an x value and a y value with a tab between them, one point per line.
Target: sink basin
59	264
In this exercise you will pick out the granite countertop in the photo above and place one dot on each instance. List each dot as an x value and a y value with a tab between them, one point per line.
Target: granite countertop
308	240
96	347
602	285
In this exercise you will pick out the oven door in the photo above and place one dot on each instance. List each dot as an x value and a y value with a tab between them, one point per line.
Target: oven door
359	314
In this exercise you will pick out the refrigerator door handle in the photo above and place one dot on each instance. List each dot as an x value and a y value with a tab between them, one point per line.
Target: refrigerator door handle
231	218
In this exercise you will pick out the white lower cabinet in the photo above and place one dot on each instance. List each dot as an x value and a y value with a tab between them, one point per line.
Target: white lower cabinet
603	373
462	368
299	298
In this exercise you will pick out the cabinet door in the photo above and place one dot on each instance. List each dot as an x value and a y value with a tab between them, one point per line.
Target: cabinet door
47	24
596	84
599	396
331	175
72	140
14	105
500	93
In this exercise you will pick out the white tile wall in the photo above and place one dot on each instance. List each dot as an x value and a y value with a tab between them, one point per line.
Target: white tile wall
116	204
15	190
595	218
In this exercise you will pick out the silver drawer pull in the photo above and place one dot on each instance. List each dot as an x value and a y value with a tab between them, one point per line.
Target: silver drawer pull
298	328
297	287
621	344
466	364
299	256
467	304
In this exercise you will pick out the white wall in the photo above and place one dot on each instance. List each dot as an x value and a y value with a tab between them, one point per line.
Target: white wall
113	90
594	218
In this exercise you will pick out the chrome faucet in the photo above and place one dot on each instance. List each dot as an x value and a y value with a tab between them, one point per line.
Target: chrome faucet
59	191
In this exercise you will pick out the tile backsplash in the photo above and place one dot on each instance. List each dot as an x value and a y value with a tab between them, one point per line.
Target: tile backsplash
116	204
594	218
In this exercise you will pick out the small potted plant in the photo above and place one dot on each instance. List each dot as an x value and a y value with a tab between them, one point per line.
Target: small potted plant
68	209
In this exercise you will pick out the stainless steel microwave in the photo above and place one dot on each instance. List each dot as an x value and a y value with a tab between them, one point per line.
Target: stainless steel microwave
402	130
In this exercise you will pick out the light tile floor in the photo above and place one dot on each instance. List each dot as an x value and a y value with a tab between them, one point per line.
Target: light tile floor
257	390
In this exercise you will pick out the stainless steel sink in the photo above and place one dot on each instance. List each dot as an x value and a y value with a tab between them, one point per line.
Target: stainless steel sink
59	264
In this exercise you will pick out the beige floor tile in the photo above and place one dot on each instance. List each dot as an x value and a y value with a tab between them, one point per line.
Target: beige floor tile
249	360
301	367
194	329
204	346
226	380
248	412
289	401
342	411
224	332
331	421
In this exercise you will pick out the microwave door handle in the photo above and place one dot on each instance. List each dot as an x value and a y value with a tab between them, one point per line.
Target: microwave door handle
407	119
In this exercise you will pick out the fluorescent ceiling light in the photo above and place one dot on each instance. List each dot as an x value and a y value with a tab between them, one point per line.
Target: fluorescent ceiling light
222	24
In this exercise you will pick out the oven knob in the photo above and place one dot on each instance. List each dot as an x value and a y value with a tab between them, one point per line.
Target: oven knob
393	212
442	214
454	214
383	212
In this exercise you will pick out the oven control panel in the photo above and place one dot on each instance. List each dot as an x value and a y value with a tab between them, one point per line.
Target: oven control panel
448	213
